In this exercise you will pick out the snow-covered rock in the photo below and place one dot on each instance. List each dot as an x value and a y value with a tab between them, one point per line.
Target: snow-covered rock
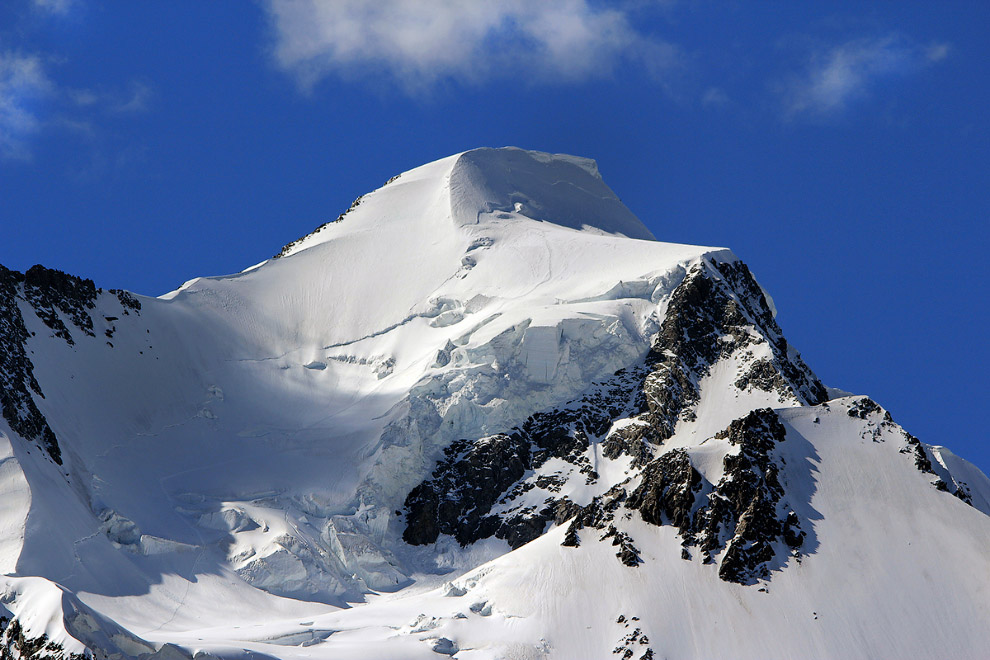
484	414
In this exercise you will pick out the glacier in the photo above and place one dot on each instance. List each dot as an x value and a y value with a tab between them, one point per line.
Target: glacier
482	414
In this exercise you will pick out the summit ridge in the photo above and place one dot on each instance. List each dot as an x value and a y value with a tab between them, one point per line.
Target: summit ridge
487	184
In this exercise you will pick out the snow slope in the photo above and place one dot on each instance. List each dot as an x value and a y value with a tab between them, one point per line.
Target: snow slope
237	456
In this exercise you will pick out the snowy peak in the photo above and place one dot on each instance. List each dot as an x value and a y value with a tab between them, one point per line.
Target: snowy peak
481	414
487	186
494	184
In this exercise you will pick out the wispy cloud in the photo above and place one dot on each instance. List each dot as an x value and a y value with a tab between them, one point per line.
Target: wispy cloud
115	101
714	97
23	85
32	102
937	52
134	100
419	44
54	6
840	75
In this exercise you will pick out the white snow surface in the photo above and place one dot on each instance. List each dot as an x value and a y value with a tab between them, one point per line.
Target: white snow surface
235	461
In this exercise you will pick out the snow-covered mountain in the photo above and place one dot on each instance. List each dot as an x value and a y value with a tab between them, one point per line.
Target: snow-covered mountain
482	414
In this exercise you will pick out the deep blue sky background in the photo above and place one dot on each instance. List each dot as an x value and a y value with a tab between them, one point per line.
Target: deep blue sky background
841	151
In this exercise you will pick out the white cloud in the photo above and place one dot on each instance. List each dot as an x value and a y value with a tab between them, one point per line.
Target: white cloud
83	97
54	6
714	97
937	52
134	100
839	75
420	42
114	101
31	102
23	84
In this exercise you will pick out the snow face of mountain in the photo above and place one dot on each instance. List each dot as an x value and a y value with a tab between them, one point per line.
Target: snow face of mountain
484	413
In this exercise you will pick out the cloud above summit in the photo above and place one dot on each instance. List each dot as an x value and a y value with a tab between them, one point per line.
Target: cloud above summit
844	73
419	44
23	85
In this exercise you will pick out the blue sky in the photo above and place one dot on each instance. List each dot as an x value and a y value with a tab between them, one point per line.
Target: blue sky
840	149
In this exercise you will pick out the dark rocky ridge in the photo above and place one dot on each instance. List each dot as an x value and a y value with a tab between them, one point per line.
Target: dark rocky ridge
17	381
52	291
745	514
15	644
471	479
669	492
101	638
53	295
288	246
866	408
717	311
476	475
877	421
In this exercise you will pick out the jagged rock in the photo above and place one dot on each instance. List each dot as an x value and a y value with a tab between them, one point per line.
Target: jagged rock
743	505
793	536
520	529
564	510
17	381
921	460
493	466
14	643
705	322
636	440
914	447
550	482
763	376
802	382
464	488
631	643
739	514
51	291
668	491
864	407
53	295
127	301
963	495
628	554
597	514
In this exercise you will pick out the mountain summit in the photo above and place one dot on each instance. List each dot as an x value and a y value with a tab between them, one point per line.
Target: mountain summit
482	414
487	186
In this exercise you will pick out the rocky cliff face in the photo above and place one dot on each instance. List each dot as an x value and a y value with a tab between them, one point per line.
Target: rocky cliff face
505	486
501	486
55	298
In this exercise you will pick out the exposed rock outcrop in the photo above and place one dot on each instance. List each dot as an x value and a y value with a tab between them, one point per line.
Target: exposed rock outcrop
55	298
717	312
742	517
18	386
